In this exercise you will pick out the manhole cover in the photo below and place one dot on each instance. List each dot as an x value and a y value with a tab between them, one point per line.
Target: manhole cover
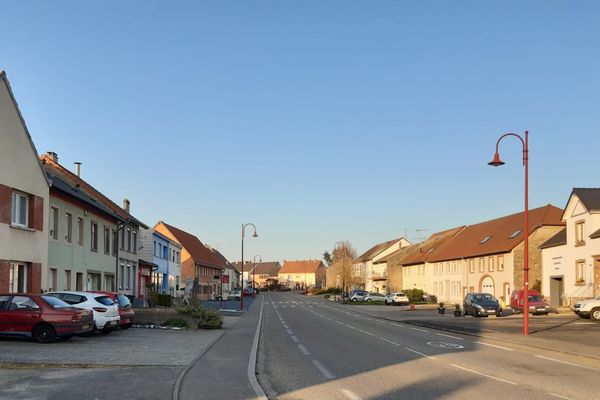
446	345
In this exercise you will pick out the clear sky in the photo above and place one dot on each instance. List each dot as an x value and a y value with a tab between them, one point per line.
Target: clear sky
317	121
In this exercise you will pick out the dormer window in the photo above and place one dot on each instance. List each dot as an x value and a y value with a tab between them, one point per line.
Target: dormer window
515	234
485	239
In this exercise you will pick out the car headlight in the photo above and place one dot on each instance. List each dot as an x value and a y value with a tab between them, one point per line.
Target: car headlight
479	307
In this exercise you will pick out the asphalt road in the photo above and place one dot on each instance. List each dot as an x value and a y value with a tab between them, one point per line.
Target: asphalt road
311	349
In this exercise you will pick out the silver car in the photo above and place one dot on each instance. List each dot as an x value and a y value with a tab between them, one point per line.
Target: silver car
397	298
375	297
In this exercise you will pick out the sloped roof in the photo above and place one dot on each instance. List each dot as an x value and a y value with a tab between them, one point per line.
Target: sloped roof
595	235
224	262
499	235
375	250
421	252
557	240
590	197
272	268
73	180
200	253
300	266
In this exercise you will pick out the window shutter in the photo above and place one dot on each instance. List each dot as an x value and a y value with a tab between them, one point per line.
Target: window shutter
36	213
5	204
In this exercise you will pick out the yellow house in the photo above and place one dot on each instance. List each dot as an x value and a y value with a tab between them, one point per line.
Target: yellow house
302	273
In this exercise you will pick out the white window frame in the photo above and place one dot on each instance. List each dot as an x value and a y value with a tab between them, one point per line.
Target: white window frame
15	217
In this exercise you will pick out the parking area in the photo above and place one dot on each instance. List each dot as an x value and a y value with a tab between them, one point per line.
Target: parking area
132	347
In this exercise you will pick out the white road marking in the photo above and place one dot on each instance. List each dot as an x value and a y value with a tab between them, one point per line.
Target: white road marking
323	370
419	353
349	394
289	331
389	341
559	396
368	333
420	330
400	325
583	323
338	322
285	326
566	362
303	350
295	339
482	374
450	336
496	346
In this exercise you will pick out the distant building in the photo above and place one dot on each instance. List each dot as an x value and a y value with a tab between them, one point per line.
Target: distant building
302	273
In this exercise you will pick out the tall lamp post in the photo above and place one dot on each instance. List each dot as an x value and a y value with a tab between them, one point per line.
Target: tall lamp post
243	234
254	273
496	162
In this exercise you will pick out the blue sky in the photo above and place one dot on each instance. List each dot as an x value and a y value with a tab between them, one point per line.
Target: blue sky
317	121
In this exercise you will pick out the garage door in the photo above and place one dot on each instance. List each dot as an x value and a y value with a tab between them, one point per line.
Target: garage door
487	285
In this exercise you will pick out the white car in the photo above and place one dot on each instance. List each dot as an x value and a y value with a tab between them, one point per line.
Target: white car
397	298
375	297
106	311
588	309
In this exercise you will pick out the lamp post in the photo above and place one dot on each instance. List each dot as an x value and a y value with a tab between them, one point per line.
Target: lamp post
254	273
496	162
243	234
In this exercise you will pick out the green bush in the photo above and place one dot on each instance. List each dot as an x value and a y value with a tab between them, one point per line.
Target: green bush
175	322
207	319
414	295
165	300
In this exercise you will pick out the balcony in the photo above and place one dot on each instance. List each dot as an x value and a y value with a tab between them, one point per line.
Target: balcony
379	276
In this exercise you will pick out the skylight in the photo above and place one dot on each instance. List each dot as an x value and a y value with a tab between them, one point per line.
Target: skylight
485	239
515	234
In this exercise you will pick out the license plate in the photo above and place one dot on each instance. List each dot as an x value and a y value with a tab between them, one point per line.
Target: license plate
86	326
126	321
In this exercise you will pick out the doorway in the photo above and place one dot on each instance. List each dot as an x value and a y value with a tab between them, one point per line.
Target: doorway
556	291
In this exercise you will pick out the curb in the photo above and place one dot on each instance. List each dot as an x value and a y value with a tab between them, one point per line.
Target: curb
260	393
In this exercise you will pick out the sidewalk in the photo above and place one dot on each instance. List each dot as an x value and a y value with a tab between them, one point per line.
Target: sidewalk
222	372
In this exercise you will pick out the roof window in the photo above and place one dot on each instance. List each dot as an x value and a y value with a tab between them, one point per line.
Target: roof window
485	239
515	234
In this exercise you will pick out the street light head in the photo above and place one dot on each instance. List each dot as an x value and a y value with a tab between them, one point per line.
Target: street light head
255	234
496	162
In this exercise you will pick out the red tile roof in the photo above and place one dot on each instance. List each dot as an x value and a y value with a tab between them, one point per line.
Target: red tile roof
200	253
502	234
300	266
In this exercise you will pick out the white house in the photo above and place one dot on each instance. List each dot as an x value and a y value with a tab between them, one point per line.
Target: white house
371	274
571	258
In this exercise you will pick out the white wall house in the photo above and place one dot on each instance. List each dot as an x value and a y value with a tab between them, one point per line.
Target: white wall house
370	274
24	201
571	259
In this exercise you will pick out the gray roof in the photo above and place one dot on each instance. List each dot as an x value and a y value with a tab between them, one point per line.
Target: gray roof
590	197
557	240
595	235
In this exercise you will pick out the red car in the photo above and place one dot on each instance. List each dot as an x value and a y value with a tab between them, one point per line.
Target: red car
42	317
125	309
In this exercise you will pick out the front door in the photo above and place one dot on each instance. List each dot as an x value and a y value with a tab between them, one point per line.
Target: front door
596	277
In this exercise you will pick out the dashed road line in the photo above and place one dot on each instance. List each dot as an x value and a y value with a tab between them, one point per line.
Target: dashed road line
322	369
450	336
495	345
289	331
559	396
303	350
482	374
419	353
368	333
295	339
420	330
566	362
389	341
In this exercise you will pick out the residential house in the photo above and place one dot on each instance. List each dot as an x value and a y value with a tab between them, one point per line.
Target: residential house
146	266
571	258
265	273
82	235
245	273
200	269
24	197
123	236
370	275
302	274
488	257
228	273
407	267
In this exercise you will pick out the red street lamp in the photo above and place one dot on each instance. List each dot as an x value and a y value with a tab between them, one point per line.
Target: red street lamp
243	234
496	162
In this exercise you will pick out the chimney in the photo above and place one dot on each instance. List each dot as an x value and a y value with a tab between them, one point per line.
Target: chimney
53	156
126	205
77	168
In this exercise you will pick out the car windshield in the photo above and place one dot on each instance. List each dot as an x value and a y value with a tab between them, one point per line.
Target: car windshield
485	297
105	300
123	300
55	303
535	298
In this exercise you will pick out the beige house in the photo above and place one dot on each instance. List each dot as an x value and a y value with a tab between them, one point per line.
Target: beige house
302	273
571	258
370	274
24	199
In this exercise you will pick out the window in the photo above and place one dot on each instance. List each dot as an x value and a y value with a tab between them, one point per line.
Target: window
135	242
80	231
122	239
79	281
165	254
94	234
122	277
115	242
482	264
20	209
579	271
17	278
54	223
580	233
67	279
106	240
472	266
69	221
129	240
515	234
485	239
52	279
491	264
500	263
128	276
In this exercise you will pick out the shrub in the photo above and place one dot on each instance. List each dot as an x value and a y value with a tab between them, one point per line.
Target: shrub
207	319
165	300
414	295
432	299
175	322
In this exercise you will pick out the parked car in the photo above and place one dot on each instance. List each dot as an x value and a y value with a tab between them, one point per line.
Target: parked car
126	312
235	294
44	318
397	298
588	309
358	295
375	297
481	305
106	311
284	288
537	305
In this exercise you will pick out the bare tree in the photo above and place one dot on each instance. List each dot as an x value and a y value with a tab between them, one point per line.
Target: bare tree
341	264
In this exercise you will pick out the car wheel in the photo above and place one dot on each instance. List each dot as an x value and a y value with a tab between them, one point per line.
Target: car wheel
595	314
353	299
369	300
44	333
